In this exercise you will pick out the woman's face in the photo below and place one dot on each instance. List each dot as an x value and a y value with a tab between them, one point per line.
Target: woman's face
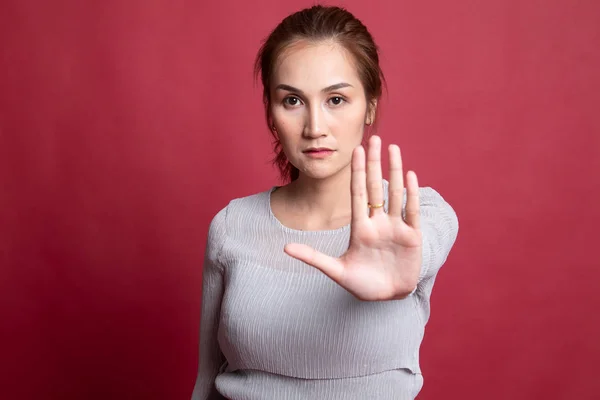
318	107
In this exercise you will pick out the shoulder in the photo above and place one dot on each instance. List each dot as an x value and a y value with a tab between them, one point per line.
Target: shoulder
239	208
250	201
436	210
429	195
428	198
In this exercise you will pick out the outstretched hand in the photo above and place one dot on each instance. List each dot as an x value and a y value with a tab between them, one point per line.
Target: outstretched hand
383	260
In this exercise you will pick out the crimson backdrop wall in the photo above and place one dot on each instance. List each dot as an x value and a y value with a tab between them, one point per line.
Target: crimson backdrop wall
126	125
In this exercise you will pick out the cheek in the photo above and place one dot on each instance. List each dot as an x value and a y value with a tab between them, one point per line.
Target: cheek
349	123
289	124
282	117
352	114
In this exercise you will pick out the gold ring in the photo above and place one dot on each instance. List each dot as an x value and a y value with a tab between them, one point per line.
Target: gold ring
376	205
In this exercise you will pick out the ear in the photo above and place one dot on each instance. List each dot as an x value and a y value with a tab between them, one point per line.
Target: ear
271	126
371	112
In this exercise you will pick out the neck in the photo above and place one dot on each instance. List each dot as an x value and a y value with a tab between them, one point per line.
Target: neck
322	200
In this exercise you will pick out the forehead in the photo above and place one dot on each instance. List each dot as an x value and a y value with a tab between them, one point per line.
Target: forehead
311	66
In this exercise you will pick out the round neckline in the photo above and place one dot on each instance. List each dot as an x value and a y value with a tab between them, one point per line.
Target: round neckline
298	231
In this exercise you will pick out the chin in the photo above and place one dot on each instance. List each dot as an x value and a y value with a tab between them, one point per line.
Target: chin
320	173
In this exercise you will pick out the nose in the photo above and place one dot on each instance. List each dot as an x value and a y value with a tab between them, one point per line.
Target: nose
315	124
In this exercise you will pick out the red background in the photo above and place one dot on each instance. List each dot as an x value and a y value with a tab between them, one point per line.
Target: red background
125	126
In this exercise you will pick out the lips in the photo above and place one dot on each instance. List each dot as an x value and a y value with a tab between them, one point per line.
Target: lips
317	150
318	153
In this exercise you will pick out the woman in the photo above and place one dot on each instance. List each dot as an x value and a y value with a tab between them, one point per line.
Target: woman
320	289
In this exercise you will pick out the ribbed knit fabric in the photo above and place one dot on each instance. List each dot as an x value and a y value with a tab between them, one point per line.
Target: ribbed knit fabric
273	327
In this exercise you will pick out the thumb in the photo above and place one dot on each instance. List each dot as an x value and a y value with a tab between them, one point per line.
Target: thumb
330	266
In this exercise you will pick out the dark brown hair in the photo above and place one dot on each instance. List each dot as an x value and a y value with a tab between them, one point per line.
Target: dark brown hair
317	24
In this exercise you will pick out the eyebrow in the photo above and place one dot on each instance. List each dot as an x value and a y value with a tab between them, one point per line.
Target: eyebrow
325	90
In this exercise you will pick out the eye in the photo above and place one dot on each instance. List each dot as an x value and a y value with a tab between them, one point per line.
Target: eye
291	101
337	100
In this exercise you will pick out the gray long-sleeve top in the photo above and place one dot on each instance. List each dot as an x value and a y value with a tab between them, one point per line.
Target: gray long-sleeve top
273	327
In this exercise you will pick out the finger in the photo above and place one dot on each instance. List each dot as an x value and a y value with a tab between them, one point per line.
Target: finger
396	186
374	179
330	266
358	187
413	217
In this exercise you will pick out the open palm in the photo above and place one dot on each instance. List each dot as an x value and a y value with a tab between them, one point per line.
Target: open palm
383	259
